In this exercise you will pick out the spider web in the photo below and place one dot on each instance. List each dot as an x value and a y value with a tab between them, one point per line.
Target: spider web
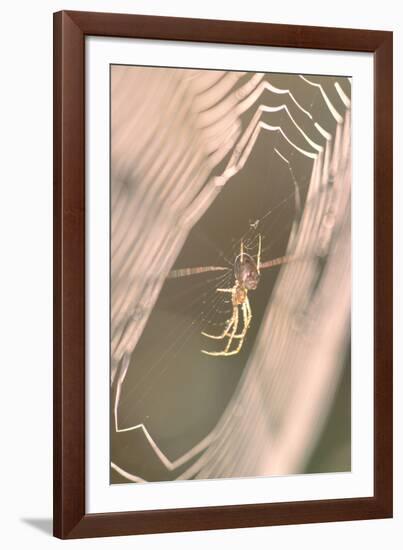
202	160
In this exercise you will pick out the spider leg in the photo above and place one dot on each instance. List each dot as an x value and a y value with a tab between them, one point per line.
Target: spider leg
248	309
234	329
230	330
234	323
225	331
247	316
229	324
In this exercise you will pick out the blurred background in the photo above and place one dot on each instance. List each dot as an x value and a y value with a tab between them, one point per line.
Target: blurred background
201	160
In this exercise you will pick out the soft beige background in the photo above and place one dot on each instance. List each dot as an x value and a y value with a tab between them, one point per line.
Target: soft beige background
26	299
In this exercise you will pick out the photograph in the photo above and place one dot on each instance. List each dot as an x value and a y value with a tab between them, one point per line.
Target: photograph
201	270
230	274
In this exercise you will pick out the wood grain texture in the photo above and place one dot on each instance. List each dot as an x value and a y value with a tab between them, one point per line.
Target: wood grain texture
70	29
383	277
69	277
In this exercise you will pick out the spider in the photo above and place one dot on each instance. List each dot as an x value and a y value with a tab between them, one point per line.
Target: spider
247	275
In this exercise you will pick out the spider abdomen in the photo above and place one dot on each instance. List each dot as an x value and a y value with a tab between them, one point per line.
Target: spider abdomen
246	272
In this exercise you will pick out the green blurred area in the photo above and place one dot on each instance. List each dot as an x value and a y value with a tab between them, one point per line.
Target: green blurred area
333	450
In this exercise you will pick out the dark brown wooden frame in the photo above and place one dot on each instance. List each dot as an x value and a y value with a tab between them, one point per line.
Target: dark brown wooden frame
70	517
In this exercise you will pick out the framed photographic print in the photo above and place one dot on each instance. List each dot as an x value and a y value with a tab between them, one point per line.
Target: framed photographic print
223	274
